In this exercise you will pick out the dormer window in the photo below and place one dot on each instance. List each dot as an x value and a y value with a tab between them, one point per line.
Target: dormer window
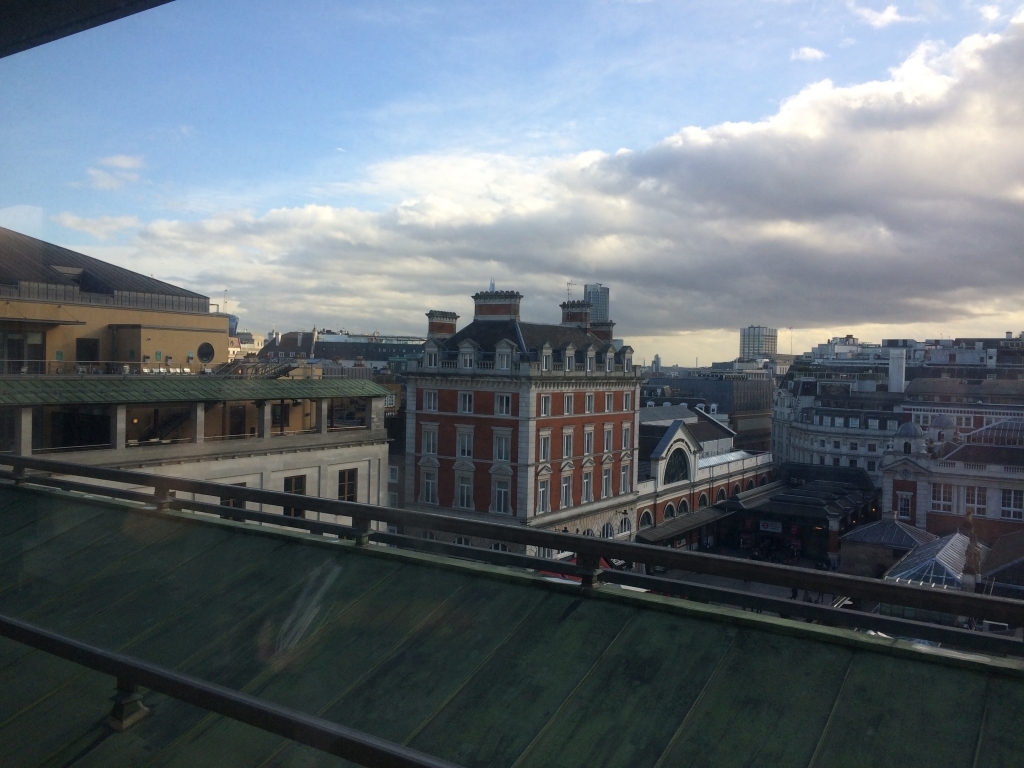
431	359
504	360
546	362
609	363
590	364
467	359
628	364
570	361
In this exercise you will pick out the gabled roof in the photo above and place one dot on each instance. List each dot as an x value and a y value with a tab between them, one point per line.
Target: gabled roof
26	259
938	563
889	533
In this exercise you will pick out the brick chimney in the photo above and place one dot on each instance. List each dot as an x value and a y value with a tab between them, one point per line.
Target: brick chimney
497	305
440	325
576	314
604	331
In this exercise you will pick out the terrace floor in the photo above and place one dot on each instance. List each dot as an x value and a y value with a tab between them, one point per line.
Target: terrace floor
476	664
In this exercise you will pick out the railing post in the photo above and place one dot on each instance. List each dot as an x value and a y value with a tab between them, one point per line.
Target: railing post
591	565
128	708
162	496
362	527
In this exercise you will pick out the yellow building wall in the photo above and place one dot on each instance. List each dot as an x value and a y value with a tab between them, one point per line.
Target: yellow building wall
170	333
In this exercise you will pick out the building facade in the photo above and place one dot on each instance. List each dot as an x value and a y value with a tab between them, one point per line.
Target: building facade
63	312
534	423
599	297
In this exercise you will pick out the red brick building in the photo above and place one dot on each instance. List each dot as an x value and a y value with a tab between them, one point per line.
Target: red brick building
535	422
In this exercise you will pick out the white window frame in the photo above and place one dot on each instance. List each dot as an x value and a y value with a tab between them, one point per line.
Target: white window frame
543	496
624	479
942	497
545	405
429	441
464	491
976	500
588	442
588	487
503	446
627	401
504	361
606	482
431	360
904	501
503	404
1012	504
588	402
544	447
465	402
567	445
545	364
430	400
626	437
466	359
609	402
567	404
429	486
464	443
501	495
392	474
565	497
609	438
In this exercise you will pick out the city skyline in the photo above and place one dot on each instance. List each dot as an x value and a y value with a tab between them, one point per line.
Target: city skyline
785	165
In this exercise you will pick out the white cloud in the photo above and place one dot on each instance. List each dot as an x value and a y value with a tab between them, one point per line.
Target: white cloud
807	54
123	171
879	19
990	13
102	228
889	202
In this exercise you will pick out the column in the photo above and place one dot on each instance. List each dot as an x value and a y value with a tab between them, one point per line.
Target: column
833	540
376	413
118	426
263	419
23	432
321	407
198	422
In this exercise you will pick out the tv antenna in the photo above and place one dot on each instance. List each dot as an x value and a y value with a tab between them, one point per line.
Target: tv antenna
568	289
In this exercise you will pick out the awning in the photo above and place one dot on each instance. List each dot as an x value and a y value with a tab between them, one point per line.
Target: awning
676	527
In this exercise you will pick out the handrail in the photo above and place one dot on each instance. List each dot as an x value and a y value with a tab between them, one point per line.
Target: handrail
951	602
348	743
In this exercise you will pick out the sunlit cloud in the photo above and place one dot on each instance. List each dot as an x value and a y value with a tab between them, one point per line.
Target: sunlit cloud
807	54
880	19
894	202
102	227
122	170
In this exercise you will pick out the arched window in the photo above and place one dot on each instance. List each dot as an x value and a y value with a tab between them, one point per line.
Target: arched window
764	479
750	484
736	490
677	468
721	495
906	448
625	526
462	541
608	531
589	532
499	546
646	521
703	501
684	506
670	512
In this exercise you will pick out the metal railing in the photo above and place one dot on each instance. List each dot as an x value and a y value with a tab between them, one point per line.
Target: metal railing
130	672
589	553
100	368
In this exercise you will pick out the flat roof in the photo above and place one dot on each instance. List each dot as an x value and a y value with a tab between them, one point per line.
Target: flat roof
480	665
168	388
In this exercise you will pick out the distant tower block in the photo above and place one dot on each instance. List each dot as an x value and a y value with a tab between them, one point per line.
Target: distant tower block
600	302
758	341
897	370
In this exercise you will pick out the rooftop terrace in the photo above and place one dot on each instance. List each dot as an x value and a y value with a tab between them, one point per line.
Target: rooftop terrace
473	663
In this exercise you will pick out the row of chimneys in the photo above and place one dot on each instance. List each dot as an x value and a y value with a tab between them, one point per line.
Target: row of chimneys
504	305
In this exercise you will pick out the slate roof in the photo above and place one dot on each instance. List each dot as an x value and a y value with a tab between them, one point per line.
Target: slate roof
889	533
666	413
988	454
528	337
70	390
1008	550
24	258
475	664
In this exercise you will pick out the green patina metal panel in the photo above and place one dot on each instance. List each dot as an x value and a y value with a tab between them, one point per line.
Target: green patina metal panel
19	391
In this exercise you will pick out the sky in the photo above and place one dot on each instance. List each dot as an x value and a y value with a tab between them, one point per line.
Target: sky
823	168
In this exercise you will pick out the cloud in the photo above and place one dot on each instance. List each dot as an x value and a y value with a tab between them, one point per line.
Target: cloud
990	13
807	54
879	19
123	171
894	202
27	219
102	228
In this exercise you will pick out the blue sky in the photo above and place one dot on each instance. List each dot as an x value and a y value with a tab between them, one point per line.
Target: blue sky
284	151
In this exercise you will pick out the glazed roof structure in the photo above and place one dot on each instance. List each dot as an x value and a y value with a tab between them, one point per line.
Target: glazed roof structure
110	390
938	563
476	664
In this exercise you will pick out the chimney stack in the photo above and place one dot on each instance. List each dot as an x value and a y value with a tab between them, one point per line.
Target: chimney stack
496	305
440	325
576	314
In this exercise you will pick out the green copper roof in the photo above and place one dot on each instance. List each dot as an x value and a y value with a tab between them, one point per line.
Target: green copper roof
475	664
59	390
